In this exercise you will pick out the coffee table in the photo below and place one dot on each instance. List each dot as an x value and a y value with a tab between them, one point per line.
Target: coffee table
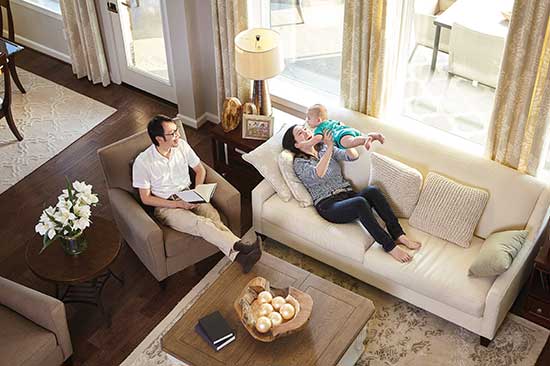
334	334
83	276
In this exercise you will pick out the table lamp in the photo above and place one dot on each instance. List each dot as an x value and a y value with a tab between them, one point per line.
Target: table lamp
258	57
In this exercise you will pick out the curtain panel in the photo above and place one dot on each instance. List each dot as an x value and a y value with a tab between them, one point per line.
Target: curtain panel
363	56
84	38
520	119
229	18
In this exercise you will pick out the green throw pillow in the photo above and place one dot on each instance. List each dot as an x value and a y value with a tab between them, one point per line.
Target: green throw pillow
497	253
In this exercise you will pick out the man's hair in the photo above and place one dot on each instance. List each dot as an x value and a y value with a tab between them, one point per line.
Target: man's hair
154	127
317	111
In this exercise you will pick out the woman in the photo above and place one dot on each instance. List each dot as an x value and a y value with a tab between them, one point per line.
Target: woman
334	198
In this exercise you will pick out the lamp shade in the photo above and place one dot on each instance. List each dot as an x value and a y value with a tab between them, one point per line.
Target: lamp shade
258	55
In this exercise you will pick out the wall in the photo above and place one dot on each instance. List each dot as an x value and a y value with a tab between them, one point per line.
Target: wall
39	29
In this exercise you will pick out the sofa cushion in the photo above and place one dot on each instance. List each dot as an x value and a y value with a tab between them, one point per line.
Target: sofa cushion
298	190
400	184
498	252
264	159
348	240
24	342
449	210
438	270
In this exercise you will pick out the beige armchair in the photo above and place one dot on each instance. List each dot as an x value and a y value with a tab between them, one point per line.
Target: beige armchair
162	250
425	12
33	327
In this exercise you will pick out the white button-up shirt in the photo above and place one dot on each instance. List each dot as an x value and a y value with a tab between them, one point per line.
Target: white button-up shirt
164	176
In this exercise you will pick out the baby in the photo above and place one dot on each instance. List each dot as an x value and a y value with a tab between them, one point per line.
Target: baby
344	137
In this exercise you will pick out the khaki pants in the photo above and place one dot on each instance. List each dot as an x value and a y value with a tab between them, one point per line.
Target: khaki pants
203	221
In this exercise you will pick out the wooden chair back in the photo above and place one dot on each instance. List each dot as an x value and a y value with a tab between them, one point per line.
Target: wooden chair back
5	4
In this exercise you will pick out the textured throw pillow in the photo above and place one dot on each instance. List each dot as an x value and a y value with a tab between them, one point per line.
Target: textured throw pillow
264	159
497	253
449	210
299	192
400	184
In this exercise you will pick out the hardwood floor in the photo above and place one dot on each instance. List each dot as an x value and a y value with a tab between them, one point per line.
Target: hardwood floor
140	304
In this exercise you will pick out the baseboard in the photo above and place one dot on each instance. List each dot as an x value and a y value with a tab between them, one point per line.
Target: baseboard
40	48
197	123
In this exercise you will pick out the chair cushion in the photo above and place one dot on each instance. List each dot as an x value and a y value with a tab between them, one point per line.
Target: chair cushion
348	240
22	341
298	190
264	159
498	252
449	210
439	270
400	184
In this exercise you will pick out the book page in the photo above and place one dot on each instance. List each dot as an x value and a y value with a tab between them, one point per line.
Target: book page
206	191
190	196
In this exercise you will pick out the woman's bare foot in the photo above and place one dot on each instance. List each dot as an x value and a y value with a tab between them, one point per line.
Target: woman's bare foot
400	255
411	244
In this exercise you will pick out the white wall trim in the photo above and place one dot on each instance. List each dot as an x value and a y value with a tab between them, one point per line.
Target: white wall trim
197	123
40	9
40	48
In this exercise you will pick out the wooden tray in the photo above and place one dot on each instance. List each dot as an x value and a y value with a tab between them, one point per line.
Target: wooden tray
303	303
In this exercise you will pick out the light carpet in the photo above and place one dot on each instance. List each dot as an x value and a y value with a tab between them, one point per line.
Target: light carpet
398	333
50	117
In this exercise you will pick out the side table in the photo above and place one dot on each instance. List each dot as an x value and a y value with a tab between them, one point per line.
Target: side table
84	276
537	304
228	148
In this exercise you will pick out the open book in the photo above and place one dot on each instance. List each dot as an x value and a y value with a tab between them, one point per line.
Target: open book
200	194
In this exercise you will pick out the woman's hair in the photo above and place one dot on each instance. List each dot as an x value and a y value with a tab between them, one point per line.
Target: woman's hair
289	144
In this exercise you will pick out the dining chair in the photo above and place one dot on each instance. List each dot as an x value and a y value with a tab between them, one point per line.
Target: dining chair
5	108
11	36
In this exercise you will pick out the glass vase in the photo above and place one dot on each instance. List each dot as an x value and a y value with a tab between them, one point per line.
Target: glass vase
74	245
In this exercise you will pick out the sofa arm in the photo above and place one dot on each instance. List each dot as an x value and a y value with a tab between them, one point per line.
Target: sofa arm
507	286
140	231
227	199
44	310
260	194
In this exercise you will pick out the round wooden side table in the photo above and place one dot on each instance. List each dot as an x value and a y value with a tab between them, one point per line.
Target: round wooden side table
83	276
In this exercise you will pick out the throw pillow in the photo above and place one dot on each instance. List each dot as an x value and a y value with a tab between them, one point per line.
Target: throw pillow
264	159
497	253
449	210
299	192
400	184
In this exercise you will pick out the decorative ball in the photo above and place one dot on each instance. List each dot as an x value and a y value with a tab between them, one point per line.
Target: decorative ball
264	297
263	324
275	318
287	311
277	302
265	309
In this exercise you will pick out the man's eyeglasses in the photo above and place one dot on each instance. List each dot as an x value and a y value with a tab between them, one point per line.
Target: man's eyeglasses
173	134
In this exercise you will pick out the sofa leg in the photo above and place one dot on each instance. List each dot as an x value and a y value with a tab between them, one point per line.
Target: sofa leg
484	341
163	283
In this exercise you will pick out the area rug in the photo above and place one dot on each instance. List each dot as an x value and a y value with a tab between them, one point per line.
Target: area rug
50	117
398	333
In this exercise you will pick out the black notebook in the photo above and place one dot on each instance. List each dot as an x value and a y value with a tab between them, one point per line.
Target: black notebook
215	327
222	343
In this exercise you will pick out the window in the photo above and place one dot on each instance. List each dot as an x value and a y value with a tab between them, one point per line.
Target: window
453	92
311	37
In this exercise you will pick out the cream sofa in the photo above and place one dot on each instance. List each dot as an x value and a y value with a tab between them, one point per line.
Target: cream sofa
437	278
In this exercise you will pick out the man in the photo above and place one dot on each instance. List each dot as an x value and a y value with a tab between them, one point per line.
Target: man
162	170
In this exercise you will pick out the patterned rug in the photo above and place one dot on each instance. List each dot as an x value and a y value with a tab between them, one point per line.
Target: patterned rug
398	333
50	117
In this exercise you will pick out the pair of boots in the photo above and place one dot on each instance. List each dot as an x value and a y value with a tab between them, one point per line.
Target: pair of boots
249	254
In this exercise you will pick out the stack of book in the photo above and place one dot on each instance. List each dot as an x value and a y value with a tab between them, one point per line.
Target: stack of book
215	331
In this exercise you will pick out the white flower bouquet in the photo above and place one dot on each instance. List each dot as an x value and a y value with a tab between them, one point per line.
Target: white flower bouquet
68	219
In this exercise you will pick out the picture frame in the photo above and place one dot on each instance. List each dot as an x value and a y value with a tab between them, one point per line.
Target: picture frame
257	127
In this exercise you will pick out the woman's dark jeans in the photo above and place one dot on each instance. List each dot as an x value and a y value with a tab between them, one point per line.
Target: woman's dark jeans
348	206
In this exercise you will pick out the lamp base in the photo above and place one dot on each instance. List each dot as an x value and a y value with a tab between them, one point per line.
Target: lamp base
261	97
